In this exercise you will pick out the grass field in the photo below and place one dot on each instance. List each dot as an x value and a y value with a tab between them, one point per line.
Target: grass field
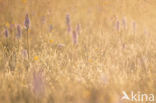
84	51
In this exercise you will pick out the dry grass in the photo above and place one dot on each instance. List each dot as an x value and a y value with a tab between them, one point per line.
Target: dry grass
109	58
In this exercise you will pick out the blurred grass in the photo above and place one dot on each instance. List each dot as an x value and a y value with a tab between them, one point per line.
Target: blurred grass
103	64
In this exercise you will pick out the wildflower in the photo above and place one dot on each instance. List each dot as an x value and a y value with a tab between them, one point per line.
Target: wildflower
29	31
19	31
43	20
68	19
7	24
134	27
27	25
36	58
50	28
24	1
27	21
78	29
86	94
68	22
118	26
38	83
124	23
75	37
51	41
90	60
6	33
25	54
60	45
11	28
146	32
13	22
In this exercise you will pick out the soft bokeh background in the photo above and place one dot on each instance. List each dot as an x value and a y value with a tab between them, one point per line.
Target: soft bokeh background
115	51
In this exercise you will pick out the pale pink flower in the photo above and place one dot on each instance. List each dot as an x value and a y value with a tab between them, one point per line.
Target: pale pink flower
75	38
124	23
38	83
134	27
68	22
78	29
118	25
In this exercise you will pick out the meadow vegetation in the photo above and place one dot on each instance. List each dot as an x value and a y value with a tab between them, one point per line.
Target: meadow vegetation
84	51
